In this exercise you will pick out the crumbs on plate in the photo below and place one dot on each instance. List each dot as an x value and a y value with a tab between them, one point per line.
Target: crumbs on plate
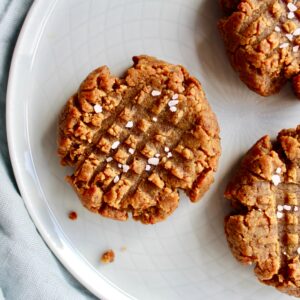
108	257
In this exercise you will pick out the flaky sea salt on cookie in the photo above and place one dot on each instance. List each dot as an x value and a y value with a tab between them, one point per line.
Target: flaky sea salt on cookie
262	40
263	228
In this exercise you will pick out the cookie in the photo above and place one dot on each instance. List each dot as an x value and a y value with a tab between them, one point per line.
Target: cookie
263	228
134	141
262	40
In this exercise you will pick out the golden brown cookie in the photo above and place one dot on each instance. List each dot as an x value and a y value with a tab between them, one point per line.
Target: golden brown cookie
135	140
264	227
262	40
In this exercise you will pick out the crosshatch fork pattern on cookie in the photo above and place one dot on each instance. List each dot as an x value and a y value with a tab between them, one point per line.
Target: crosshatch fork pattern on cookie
135	140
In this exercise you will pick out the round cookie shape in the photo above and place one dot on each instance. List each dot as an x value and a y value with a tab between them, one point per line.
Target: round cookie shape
135	140
262	40
264	226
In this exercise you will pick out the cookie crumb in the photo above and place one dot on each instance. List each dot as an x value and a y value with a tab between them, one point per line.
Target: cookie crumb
72	215
108	257
123	248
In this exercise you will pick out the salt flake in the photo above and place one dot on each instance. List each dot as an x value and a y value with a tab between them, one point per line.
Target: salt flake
292	7
131	150
284	45
98	108
116	179
126	168
276	179
277	29
155	93
173	103
290	37
115	145
279	215
153	161
280	208
129	124
287	207
296	32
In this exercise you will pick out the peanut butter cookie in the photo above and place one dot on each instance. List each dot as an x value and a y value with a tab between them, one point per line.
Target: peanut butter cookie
262	39
135	140
264	227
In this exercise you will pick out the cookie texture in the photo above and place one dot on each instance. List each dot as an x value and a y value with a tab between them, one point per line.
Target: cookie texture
262	40
264	226
134	141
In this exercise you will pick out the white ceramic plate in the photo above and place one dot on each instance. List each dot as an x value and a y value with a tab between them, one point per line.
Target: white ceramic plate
187	255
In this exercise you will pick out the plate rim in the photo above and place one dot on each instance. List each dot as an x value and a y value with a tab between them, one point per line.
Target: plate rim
108	289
